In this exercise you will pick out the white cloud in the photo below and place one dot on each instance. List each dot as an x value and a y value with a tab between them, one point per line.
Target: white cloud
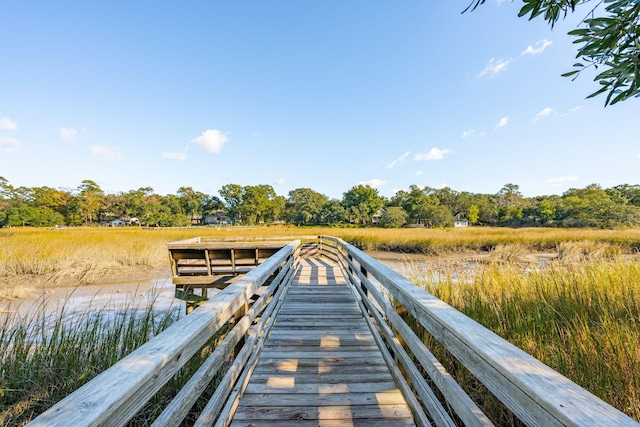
540	46
471	133
175	156
256	135
211	140
499	2
562	179
503	122
546	112
441	186
280	181
571	111
419	173
373	183
494	67
434	154
105	153
397	161
68	134
7	124
9	144
638	155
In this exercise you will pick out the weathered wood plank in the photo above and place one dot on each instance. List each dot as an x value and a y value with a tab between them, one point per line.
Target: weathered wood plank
178	408
454	395
348	422
285	385
355	375
299	399
320	362
322	342
306	350
321	355
337	412
324	353
115	395
534	392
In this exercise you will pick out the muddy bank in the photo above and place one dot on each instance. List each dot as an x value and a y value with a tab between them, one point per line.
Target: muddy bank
32	286
135	287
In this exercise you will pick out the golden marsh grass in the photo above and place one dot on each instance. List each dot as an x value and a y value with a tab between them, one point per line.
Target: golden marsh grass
580	314
582	319
85	255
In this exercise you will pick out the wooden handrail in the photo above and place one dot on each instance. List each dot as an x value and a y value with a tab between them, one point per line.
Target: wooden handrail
117	394
534	392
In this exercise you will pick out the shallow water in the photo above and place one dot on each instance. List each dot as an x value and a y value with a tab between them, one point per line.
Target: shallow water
75	302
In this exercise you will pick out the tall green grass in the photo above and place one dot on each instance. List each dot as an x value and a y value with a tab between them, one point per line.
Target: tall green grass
42	360
581	319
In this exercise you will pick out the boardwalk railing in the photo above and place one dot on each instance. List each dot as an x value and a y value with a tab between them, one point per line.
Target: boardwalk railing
535	393
117	394
242	315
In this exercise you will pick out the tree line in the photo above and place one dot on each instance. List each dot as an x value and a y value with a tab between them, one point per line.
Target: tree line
88	204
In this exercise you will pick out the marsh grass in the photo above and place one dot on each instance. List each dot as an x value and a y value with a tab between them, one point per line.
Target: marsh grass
87	255
581	319
43	359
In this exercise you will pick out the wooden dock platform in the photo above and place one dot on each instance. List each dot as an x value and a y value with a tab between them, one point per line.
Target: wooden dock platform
320	364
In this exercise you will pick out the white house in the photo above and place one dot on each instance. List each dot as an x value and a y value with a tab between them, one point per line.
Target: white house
220	218
459	222
123	222
375	219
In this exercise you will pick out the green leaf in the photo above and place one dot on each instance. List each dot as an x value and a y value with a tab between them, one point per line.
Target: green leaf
570	73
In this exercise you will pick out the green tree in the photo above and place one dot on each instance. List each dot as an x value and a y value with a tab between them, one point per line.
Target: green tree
361	202
474	214
253	204
394	217
423	206
594	207
34	216
609	40
333	213
510	203
546	210
89	201
191	201
211	205
631	193
305	206
232	195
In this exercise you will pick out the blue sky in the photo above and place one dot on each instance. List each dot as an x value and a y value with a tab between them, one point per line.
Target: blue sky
321	94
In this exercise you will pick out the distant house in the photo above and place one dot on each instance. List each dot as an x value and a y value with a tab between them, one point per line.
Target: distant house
460	222
375	219
219	218
123	222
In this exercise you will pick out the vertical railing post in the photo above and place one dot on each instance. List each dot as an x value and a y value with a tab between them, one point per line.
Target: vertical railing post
365	273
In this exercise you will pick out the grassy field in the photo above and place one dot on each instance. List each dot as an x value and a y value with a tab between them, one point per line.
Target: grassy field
86	255
579	313
580	317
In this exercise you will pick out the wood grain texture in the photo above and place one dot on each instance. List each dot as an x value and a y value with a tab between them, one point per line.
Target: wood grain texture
115	395
537	394
320	362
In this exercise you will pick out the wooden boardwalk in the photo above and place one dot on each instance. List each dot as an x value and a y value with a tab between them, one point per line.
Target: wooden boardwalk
320	365
298	351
